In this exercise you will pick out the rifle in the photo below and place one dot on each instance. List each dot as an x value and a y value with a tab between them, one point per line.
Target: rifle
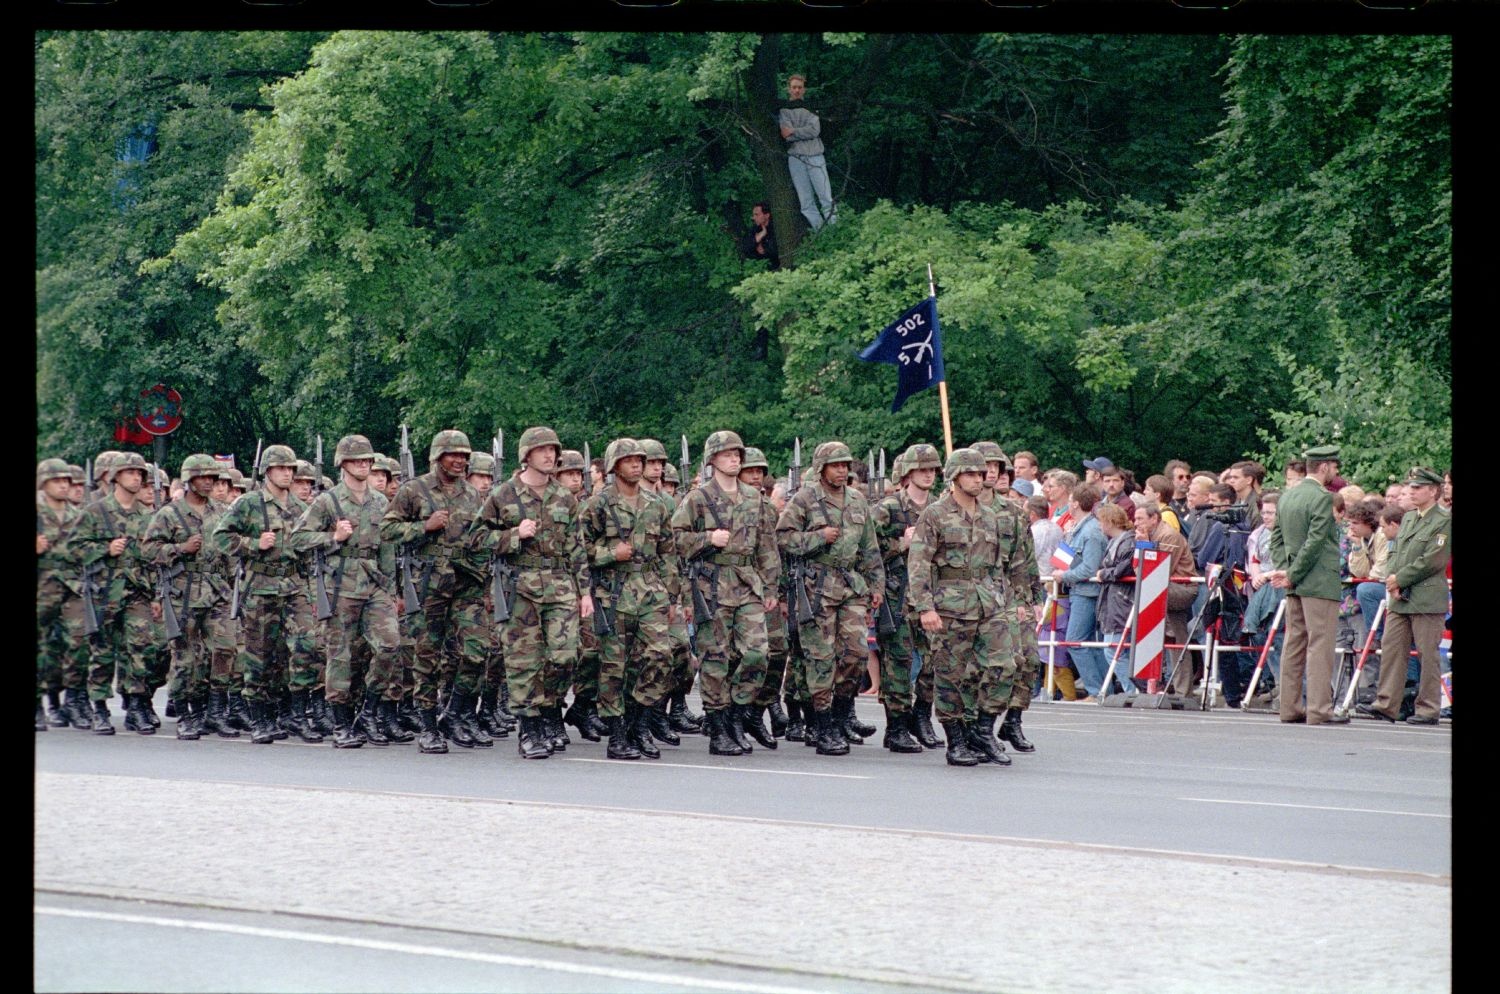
880	489
870	476
604	617
90	611
164	576
799	610
255	466
236	598
323	609
685	466
497	449
588	472
410	602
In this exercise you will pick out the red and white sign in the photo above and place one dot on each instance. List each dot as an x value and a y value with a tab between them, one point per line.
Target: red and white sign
1153	568
160	410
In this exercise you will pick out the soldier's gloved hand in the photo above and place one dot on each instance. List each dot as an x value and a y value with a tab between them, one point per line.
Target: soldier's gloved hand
343	528
623	552
931	621
719	537
527	529
156	610
192	545
267	539
41	544
830	534
117	547
437	521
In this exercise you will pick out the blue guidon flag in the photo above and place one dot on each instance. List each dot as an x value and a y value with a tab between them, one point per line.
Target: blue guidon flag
913	343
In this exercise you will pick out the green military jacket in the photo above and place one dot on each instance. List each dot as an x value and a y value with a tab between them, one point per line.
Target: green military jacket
954	561
62	563
647	581
445	557
204	575
362	563
1420	559
552	567
893	515
1305	541
852	565
747	568
273	572
1017	552
103	522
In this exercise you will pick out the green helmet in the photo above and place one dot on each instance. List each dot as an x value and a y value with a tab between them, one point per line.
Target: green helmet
829	452
102	462
992	452
126	460
721	441
535	438
52	469
237	479
449	440
653	449
276	455
77	473
199	464
619	449
571	459
353	447
754	457
669	475
963	461
390	464
919	456
481	462
898	468
305	471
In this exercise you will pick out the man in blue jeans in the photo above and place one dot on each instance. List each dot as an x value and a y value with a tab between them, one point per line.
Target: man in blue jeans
1088	543
804	156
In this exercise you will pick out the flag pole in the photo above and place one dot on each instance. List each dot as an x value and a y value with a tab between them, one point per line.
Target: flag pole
943	383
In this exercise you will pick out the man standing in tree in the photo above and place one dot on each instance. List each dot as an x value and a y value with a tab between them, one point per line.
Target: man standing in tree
801	129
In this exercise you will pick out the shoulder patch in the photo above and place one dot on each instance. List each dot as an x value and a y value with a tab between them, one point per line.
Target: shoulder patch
1440	540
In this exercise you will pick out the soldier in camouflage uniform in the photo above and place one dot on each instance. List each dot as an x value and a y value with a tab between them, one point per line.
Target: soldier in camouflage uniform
431	516
583	713
954	587
384	476
343	525
830	526
79	488
732	562
1022	591
628	537
110	540
752	473
274	605
59	604
781	632
532	521
895	523
482	472
175	542
227	670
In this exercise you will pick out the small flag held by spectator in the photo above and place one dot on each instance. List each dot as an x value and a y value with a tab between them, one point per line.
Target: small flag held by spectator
1445	685
1062	557
913	343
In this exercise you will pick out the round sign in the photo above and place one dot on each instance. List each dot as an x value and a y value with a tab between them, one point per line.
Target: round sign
160	410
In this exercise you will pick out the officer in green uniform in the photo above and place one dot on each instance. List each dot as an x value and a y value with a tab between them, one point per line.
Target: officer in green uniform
1417	594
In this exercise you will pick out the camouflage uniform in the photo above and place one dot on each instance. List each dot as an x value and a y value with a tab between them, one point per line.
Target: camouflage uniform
450	629
769	694
541	637
837	580
273	598
200	596
62	651
635	658
953	569
583	713
734	581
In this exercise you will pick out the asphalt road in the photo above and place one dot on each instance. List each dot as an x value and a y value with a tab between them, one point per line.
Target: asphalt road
1131	831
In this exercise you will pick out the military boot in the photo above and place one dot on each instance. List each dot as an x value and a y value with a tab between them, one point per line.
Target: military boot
533	742
471	721
100	724
830	738
136	718
185	726
279	714
298	723
317	712
719	742
958	750
921	725
388	720
659	722
430	739
41	717
779	718
734	724
346	735
367	721
750	718
1010	731
149	711
452	724
639	721
620	746
856	730
79	712
239	711
262	722
594	721
898	732
578	716
503	713
57	714
171	709
982	741
217	719
409	715
809	718
552	725
487	716
684	720
796	730
843	717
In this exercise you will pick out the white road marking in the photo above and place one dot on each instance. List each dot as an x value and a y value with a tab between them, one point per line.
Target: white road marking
1315	807
525	962
717	769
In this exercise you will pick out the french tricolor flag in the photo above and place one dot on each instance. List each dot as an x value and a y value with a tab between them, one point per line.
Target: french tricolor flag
1062	558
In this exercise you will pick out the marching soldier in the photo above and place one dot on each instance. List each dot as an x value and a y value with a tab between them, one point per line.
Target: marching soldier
531	521
384	476
482	478
731	561
676	718
430	517
951	569
59	605
583	713
830	526
628	537
768	700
